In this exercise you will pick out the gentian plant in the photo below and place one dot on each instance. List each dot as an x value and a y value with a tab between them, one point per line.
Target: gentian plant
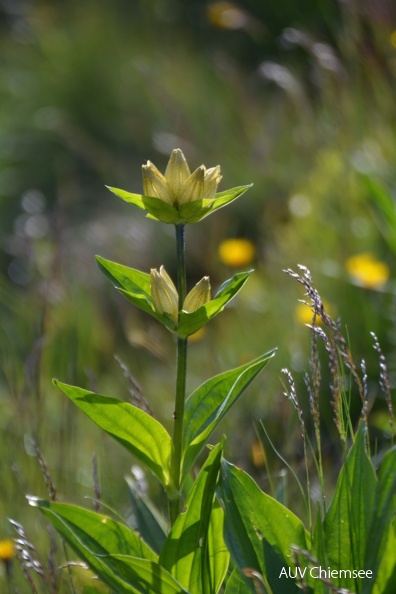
222	532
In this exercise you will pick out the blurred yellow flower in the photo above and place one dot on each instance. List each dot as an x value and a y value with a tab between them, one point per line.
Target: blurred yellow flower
393	38
237	252
6	550
304	315
198	335
367	271
227	15
258	454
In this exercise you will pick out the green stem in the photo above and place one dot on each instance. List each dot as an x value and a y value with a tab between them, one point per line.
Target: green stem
174	504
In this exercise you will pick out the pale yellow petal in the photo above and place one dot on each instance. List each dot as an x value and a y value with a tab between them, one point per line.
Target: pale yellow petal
155	184
193	186
177	172
198	296
163	293
211	181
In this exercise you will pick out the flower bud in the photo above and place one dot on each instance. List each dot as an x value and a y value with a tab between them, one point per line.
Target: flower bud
198	296
177	172
164	294
155	184
212	180
193	187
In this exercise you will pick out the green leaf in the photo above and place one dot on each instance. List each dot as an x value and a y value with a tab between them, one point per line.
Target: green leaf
192	553
152	575
94	537
191	322
347	522
219	557
380	551
135	286
236	584
156	208
384	581
149	522
384	207
259	531
208	404
318	552
191	212
137	431
195	211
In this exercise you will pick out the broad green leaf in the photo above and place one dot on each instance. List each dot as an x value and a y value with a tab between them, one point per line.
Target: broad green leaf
384	581
259	531
195	211
149	522
135	286
319	553
191	212
196	557
130	279
152	575
208	404
137	431
156	208
191	322
380	552
94	537
94	590
347	522
236	584
219	557
384	207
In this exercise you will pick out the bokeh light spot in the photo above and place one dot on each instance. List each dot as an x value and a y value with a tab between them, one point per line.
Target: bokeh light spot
237	252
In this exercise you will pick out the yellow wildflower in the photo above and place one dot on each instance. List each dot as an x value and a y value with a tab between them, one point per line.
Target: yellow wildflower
6	550
237	252
166	299
367	271
258	454
178	186
198	335
304	314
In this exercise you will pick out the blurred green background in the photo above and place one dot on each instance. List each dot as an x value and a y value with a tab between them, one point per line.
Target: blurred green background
296	97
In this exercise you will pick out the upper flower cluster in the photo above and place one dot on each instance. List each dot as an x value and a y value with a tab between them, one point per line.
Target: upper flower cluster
179	196
179	186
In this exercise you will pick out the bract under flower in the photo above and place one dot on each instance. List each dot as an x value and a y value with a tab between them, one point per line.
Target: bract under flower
164	293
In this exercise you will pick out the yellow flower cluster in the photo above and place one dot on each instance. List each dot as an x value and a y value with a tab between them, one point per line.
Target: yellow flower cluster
304	315
166	299
178	186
